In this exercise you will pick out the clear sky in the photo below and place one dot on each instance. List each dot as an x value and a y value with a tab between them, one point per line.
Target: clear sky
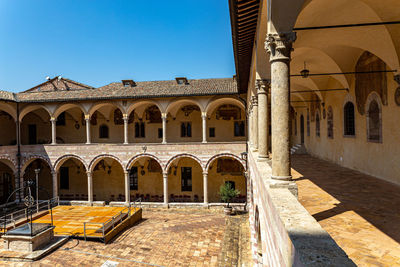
101	41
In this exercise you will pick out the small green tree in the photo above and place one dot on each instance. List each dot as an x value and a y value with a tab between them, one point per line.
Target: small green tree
227	193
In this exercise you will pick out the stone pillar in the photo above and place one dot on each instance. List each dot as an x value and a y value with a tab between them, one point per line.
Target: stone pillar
125	129
165	179
250	123
254	102
279	46
55	183
90	187
205	187
87	119
204	126
262	118
53	131
127	188
164	127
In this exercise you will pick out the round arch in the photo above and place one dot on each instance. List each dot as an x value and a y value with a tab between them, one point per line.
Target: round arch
216	102
225	155
9	162
97	106
144	155
64	107
97	159
143	104
169	163
31	158
9	109
60	161
31	108
175	104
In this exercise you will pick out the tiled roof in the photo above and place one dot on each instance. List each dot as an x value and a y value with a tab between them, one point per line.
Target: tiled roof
141	90
4	95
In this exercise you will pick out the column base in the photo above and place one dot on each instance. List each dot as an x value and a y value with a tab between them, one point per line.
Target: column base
88	143
290	185
262	158
164	143
282	178
204	142
126	143
254	149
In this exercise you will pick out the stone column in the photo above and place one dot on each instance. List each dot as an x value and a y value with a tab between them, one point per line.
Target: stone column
125	116
55	184
262	118
53	131
250	123
127	188
90	187
165	180
279	46
164	127
204	126
205	187
254	102
87	119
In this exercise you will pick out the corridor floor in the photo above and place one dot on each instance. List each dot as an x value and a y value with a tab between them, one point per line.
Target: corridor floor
360	212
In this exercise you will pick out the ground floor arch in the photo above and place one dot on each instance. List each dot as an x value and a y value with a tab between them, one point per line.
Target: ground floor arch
72	180
108	180
185	180
45	178
7	182
226	169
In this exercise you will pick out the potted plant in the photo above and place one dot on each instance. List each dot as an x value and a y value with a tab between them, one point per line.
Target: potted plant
227	193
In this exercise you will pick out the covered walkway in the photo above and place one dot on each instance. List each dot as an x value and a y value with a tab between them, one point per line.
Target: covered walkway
360	212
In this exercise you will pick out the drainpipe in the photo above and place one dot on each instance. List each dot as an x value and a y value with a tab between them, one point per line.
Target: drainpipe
19	151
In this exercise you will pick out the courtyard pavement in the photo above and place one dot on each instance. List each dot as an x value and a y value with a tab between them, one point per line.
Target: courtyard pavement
174	237
360	212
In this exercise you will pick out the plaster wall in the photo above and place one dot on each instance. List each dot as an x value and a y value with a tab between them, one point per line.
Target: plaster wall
7	131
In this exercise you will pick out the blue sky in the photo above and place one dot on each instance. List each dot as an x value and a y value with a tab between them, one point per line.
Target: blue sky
101	41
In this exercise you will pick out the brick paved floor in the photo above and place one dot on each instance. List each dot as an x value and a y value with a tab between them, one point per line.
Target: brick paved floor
175	237
362	213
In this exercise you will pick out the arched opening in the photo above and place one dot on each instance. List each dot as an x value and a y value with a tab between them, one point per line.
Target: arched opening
184	123
146	180
7	129
106	124
7	182
70	125
36	127
349	119
45	178
145	124
72	180
226	170
374	122
108	180
226	123
185	180
317	125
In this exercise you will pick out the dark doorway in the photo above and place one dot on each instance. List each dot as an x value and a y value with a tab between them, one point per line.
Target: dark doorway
32	134
302	128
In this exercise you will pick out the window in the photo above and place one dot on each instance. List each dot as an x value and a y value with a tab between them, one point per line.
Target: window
330	122
186	129
308	123
186	173
349	125
317	125
231	183
140	130
103	131
211	132
64	178
160	135
374	122
238	128
133	178
61	120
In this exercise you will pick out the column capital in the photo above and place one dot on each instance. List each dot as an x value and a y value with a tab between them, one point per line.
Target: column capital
164	115
205	173
254	101
88	173
52	119
280	45
87	117
125	117
204	114
263	86
165	174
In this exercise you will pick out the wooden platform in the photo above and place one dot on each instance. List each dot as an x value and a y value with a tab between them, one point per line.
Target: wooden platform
69	220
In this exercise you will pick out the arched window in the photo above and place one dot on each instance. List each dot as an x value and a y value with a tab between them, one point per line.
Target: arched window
349	120
374	122
330	122
103	131
317	125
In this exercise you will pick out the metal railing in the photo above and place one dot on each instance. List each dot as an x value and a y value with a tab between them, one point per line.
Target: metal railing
108	225
11	219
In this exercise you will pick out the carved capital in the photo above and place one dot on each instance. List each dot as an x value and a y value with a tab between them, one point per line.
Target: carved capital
263	86
254	101
279	46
